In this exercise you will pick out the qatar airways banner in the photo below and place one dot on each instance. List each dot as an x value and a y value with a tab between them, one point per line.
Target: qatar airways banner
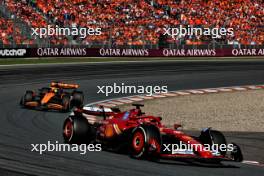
103	52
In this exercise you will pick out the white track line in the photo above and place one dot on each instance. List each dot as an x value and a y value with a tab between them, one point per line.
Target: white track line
136	98
255	163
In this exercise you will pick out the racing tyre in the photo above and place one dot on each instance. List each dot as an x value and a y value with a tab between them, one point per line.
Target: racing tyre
219	139
213	137
77	130
77	99
29	95
145	142
237	153
66	103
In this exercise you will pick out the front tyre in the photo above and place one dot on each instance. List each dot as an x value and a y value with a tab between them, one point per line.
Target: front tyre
214	137
29	96
236	154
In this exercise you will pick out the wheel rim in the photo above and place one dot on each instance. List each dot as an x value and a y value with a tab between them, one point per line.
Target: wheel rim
68	130
138	141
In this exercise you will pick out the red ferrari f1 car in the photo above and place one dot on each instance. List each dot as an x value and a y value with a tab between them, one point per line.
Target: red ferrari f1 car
54	97
144	136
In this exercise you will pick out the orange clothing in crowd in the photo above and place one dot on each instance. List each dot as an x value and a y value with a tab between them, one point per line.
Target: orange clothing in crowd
130	22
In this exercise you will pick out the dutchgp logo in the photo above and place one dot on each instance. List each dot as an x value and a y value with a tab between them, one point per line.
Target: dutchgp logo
13	52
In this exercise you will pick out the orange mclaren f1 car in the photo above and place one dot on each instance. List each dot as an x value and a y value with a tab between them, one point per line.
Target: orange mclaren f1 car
54	97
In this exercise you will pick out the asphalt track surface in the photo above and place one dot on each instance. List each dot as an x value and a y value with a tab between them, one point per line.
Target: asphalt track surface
21	127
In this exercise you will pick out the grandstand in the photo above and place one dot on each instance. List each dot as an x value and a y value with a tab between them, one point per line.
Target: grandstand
131	22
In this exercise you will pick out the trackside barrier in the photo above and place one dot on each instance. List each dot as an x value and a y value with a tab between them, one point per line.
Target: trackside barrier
106	52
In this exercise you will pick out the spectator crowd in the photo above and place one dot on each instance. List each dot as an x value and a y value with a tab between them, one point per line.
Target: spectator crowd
139	22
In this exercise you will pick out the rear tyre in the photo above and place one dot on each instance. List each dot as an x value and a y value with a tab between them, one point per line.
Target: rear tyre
77	99
77	130
145	142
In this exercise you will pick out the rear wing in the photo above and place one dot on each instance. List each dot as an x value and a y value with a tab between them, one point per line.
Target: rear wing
64	85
